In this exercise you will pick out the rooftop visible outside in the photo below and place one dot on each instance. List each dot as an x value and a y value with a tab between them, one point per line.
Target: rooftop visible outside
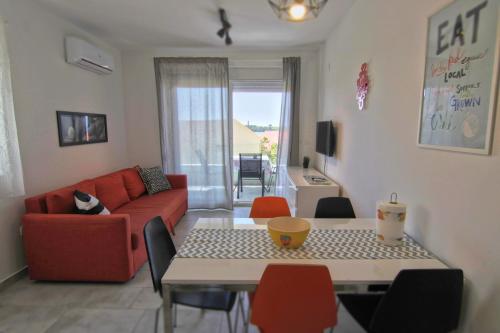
256	123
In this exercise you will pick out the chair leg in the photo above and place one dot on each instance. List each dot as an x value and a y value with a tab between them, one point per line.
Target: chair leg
175	315
263	180
246	318
241	182
229	326
247	324
237	317
238	185
242	307
157	315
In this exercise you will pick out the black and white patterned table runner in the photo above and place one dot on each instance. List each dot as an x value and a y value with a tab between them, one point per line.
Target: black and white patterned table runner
321	244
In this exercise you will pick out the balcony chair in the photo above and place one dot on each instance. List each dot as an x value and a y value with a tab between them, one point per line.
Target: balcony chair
250	168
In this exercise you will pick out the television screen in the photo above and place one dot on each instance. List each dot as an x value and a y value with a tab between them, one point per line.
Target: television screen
325	138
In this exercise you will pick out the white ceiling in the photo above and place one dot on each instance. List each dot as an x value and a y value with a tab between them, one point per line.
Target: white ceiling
132	24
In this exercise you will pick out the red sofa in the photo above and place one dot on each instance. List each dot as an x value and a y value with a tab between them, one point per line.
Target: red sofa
63	246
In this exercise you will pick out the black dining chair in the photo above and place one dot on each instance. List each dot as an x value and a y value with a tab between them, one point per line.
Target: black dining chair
340	208
161	251
250	168
419	300
334	208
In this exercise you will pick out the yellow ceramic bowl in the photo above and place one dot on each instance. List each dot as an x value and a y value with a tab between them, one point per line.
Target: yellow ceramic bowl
288	232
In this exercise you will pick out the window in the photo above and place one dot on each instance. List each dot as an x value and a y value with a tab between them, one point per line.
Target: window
256	117
11	180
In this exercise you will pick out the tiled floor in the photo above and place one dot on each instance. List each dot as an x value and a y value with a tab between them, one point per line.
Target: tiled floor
28	306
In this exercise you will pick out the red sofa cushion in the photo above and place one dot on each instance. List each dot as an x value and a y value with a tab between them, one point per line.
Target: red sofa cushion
78	247
36	204
133	183
62	201
111	191
143	209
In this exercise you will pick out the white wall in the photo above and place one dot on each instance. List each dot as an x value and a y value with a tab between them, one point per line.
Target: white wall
453	198
42	84
141	101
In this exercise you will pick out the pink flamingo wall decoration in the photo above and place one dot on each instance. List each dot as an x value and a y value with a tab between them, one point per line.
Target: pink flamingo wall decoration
362	85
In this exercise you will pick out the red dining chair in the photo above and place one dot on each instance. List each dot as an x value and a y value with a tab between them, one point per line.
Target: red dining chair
269	207
294	299
264	207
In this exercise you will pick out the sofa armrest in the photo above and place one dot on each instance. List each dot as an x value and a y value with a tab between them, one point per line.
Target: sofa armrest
74	247
177	181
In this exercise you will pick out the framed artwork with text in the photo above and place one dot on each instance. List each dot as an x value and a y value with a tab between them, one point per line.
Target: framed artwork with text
461	77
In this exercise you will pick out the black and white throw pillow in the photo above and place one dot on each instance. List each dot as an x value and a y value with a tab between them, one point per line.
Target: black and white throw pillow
154	180
88	204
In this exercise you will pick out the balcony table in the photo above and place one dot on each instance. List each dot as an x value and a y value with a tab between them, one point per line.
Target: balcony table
203	273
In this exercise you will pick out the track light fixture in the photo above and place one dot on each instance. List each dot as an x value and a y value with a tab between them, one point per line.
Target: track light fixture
224	31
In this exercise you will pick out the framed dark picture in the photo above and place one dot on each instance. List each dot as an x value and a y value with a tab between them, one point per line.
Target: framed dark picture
77	128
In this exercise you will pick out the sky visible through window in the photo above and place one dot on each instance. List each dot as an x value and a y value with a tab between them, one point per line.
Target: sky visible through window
257	108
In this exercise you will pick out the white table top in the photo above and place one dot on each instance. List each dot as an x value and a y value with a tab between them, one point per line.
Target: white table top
201	271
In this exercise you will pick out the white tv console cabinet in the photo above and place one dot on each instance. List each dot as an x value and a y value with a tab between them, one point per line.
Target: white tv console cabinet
303	197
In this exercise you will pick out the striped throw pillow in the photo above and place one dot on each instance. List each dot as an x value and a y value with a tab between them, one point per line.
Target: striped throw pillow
88	204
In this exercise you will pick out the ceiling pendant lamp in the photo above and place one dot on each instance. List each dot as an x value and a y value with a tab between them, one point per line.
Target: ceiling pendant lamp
297	10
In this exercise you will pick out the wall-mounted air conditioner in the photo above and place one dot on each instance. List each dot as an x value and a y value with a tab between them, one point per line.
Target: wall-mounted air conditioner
87	56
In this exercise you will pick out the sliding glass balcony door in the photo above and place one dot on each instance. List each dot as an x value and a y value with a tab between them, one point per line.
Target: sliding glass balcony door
256	107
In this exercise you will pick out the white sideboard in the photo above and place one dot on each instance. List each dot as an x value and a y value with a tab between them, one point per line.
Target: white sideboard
303	197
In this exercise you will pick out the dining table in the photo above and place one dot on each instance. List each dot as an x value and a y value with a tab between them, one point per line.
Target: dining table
232	253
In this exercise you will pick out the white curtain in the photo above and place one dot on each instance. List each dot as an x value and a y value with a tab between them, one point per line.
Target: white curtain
11	173
288	143
193	101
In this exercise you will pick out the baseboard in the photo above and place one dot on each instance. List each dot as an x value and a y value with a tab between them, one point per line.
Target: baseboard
10	280
242	204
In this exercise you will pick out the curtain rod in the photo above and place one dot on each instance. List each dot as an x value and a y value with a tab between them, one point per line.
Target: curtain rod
256	63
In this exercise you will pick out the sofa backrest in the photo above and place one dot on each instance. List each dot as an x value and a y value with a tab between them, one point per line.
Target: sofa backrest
113	190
